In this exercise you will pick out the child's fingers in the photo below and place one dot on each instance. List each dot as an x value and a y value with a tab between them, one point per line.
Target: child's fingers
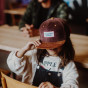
49	85
44	85
32	46
37	43
40	86
29	46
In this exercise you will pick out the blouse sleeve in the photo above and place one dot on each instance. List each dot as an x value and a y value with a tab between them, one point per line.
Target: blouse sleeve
20	66
70	76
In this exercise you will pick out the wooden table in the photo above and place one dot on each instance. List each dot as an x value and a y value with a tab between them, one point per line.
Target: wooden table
86	26
18	11
13	12
12	39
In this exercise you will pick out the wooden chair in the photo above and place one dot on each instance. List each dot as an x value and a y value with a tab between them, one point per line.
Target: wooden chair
4	71
8	82
13	6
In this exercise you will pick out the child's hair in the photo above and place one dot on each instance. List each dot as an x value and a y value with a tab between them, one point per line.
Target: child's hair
67	52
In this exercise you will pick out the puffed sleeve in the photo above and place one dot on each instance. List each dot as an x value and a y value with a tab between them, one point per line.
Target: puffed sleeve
22	65
70	76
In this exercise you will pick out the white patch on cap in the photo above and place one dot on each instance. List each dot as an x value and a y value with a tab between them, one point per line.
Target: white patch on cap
49	34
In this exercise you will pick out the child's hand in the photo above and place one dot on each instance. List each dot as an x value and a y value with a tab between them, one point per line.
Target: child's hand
32	45
46	85
29	46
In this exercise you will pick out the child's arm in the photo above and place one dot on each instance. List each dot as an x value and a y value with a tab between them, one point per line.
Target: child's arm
70	76
19	62
29	46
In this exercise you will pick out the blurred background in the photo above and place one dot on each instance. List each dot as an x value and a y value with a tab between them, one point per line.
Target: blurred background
11	12
78	18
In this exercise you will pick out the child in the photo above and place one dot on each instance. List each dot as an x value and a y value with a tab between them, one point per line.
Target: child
48	62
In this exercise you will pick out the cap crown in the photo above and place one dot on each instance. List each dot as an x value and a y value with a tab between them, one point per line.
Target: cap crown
52	30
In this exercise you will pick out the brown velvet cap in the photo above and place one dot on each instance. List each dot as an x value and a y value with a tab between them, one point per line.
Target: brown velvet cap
52	33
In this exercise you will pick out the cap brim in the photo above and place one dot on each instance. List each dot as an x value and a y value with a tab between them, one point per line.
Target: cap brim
50	45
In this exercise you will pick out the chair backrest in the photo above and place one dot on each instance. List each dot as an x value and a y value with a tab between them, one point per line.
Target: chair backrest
4	71
8	82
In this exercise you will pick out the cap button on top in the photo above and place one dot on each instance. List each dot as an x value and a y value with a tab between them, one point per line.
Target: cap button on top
55	25
52	18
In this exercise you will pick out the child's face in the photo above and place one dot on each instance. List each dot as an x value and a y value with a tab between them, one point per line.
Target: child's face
54	52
